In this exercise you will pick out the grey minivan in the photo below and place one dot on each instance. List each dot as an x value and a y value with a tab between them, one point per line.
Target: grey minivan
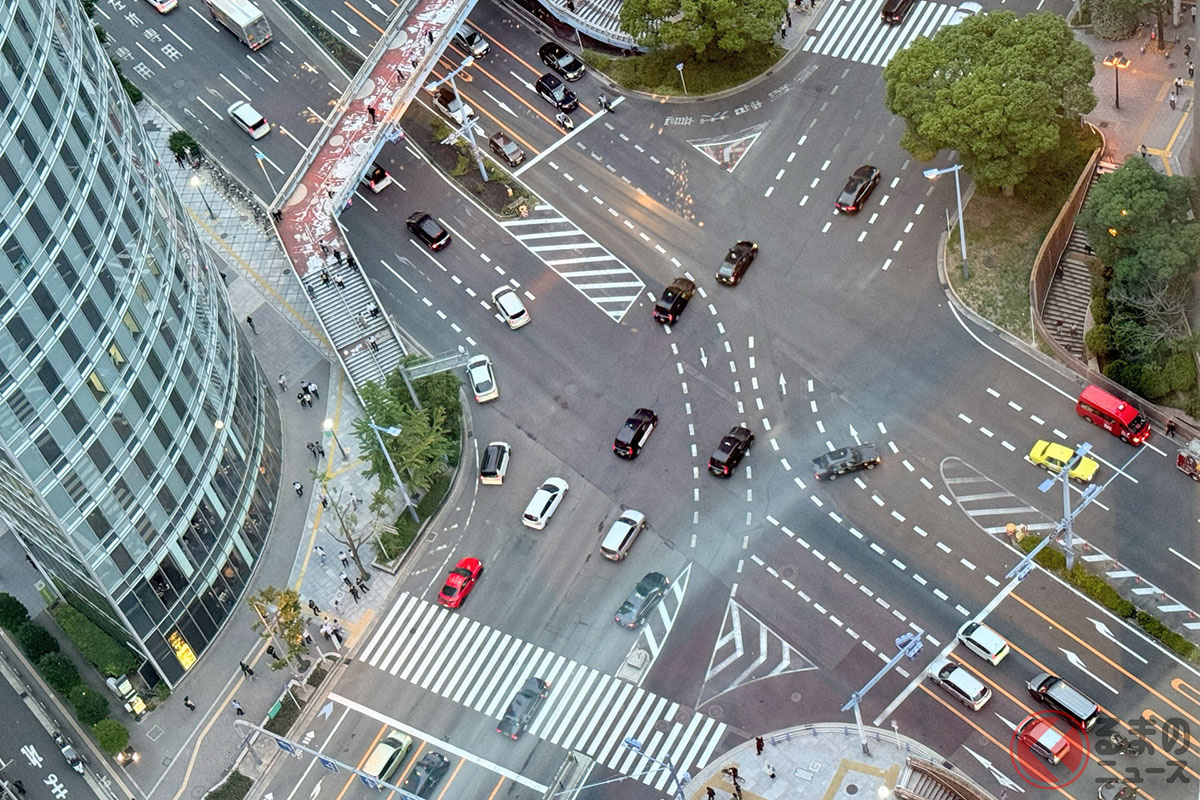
1052	691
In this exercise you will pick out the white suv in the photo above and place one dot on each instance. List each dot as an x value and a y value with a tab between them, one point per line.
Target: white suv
509	304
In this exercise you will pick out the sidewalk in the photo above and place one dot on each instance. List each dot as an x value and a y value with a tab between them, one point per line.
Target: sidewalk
286	340
1145	116
812	761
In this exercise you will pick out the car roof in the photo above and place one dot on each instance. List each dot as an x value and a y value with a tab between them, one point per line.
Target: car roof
552	47
650	581
983	635
550	81
510	302
865	171
631	516
952	672
245	112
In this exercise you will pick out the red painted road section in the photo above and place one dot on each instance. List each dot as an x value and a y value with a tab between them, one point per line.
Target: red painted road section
308	212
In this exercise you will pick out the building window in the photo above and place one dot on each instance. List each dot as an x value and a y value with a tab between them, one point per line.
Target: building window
98	386
118	358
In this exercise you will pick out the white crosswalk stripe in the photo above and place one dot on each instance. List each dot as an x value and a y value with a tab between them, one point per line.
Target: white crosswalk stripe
853	31
578	259
480	667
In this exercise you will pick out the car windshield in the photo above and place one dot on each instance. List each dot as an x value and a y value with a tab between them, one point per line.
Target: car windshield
565	60
449	590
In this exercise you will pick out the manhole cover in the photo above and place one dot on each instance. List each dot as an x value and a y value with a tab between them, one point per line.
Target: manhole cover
852	789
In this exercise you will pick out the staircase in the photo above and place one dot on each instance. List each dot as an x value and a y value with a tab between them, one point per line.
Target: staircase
1071	290
599	19
929	788
368	347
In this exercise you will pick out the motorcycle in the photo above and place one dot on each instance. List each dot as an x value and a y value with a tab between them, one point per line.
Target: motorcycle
605	104
564	121
75	760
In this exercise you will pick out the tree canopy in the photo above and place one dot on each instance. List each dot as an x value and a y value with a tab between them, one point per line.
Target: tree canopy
711	29
997	88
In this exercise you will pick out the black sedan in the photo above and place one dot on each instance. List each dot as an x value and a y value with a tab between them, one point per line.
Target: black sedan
428	230
858	188
848	459
673	301
634	433
562	62
523	708
426	775
645	596
730	451
737	260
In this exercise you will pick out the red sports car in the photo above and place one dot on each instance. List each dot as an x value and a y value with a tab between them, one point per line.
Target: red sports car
460	582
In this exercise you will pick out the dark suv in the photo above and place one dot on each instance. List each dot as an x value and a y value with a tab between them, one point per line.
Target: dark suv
523	707
555	93
730	452
848	459
428	230
894	11
674	300
562	62
634	434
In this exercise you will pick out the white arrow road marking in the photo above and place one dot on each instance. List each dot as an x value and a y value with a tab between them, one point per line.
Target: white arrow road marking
703	358
1077	662
854	433
782	384
1107	633
1000	777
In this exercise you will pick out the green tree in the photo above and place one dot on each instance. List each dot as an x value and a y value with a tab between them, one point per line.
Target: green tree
90	706
183	145
59	671
419	451
13	613
112	736
279	619
997	88
36	641
711	29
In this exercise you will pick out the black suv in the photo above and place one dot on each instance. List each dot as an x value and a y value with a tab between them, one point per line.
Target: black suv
858	188
426	775
634	434
562	62
523	707
848	459
737	260
642	600
556	94
674	300
730	451
506	148
894	11
428	230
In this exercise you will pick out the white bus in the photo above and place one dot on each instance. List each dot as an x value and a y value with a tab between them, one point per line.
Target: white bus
242	18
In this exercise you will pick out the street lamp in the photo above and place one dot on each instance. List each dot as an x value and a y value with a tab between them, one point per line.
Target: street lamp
195	182
636	746
328	426
394	431
962	230
1118	63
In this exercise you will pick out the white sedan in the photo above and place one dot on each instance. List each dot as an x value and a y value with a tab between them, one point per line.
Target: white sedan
964	10
545	501
509	304
483	379
983	642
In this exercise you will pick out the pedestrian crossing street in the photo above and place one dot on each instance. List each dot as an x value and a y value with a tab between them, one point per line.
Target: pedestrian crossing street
852	30
578	259
480	667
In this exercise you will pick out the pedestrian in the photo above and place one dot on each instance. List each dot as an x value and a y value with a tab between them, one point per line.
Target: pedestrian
770	772
371	111
783	30
337	632
346	579
354	593
1178	84
324	498
320	551
371	341
362	585
1191	69
350	261
374	309
1171	99
246	670
1187	48
341	284
308	399
324	248
325	277
188	704
300	398
1171	428
571	6
312	389
1142	150
20	787
250	322
788	14
271	652
312	606
308	640
712	795
342	558
30	560
282	381
325	630
430	35
759	744
320	449
238	708
354	499
299	487
312	448
337	606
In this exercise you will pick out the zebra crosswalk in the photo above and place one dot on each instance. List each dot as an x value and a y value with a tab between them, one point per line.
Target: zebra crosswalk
578	259
480	667
852	30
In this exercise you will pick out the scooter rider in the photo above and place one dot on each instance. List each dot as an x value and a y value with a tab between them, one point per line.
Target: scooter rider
604	102
564	120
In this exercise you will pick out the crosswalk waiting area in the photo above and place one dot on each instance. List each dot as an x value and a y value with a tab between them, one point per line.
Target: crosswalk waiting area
480	667
853	30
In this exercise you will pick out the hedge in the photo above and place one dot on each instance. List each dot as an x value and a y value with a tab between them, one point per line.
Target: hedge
102	651
90	705
289	712
36	641
13	613
235	787
112	736
59	671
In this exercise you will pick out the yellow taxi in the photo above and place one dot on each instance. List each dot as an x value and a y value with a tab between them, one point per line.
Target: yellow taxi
1052	457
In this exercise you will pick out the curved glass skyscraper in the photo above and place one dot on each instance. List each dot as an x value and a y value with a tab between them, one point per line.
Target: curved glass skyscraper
139	441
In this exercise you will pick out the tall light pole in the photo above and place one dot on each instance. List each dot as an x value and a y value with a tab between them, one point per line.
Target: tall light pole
636	746
962	228
195	182
328	426
395	431
1118	63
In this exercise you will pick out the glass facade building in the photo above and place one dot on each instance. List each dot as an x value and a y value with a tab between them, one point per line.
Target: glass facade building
139	440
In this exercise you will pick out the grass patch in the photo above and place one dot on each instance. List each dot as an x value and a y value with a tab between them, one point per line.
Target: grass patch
391	544
235	787
656	73
289	712
1004	234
